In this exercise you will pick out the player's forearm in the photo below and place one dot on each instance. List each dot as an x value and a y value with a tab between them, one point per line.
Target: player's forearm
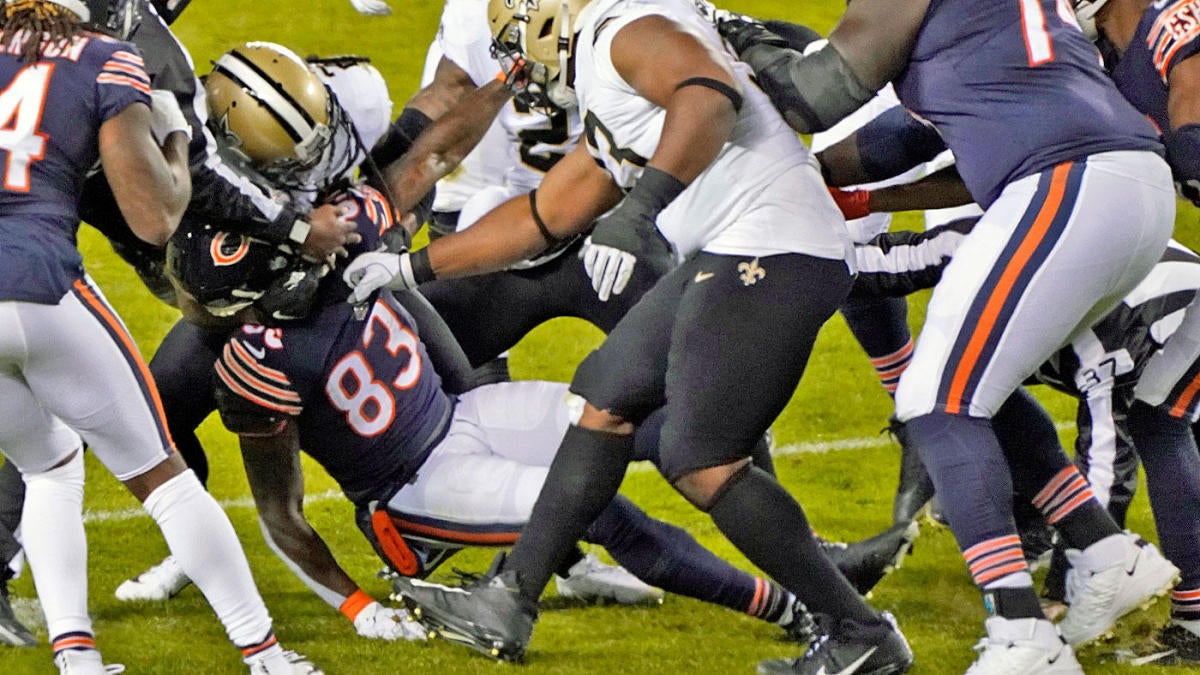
444	145
306	554
503	237
940	190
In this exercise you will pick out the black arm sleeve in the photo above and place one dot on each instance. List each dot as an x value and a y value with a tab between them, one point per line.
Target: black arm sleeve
895	264
448	357
812	92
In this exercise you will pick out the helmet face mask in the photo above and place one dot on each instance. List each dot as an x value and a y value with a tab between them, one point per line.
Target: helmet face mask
540	34
118	18
280	117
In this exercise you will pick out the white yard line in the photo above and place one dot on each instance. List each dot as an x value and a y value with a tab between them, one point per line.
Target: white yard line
807	447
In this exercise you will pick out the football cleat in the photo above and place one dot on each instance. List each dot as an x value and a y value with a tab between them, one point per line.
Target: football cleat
84	662
801	628
593	581
161	582
276	661
489	616
1109	579
865	563
1172	645
12	632
849	648
1023	647
916	487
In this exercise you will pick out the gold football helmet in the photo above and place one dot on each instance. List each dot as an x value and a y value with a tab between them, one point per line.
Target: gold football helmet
542	34
274	110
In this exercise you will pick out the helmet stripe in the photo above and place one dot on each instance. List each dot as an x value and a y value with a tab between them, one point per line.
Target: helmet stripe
292	117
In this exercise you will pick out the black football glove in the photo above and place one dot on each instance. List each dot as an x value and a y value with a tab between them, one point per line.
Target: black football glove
628	235
743	32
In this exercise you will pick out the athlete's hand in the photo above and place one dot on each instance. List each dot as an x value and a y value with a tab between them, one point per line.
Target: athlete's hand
853	203
165	116
372	7
330	234
385	623
373	270
623	238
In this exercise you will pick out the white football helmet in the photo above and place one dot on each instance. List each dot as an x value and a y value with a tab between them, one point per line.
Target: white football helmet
540	33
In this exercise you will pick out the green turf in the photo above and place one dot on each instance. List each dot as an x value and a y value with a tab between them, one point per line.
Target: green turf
847	493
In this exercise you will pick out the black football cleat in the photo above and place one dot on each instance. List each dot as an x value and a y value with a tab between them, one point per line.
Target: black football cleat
802	628
490	615
916	487
849	648
864	563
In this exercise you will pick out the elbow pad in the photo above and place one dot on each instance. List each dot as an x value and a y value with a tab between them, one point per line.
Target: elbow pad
812	92
1183	154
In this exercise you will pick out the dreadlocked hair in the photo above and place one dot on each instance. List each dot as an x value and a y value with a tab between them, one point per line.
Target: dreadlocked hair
24	19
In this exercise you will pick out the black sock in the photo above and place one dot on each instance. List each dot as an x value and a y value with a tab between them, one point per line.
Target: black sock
1012	603
575	555
762	520
583	479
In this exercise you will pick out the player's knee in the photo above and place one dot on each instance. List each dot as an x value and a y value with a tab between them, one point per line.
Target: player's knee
704	487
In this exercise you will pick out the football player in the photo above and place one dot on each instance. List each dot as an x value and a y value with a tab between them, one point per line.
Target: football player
258	142
1052	254
72	370
673	120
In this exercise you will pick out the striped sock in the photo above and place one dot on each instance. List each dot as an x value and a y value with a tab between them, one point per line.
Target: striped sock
1185	604
74	641
261	649
1067	491
890	366
770	602
998	563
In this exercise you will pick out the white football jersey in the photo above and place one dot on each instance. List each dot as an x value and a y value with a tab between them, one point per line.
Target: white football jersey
533	141
762	195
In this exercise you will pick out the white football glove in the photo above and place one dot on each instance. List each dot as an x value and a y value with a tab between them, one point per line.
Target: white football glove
609	268
165	116
372	7
371	271
385	623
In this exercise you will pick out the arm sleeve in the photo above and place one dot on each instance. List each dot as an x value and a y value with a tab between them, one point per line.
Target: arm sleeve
895	264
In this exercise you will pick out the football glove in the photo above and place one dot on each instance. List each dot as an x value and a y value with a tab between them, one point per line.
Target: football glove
371	271
628	234
377	622
742	32
372	7
165	116
853	203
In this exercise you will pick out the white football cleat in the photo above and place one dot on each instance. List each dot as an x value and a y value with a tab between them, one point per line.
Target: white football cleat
278	661
1023	647
591	580
1109	579
161	582
84	662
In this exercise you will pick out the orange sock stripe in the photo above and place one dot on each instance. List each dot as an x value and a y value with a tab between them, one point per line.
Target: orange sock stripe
1066	494
264	645
1070	506
759	587
75	642
1055	483
990	576
988	319
895	357
1181	405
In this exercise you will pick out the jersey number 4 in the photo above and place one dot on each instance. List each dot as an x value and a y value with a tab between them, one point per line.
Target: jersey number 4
21	106
368	403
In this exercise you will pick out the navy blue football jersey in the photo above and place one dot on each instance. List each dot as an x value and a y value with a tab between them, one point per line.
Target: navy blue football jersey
367	401
50	117
1015	88
1167	34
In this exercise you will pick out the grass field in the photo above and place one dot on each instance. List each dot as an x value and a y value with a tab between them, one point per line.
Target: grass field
835	460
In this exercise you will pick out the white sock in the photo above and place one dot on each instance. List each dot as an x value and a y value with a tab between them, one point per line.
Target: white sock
57	547
203	542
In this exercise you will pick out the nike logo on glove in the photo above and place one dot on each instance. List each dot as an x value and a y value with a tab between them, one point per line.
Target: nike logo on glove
704	276
853	667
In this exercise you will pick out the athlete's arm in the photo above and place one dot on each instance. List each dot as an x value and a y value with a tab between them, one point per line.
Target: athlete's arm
151	184
441	147
277	484
868	48
939	190
1182	140
570	198
658	58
